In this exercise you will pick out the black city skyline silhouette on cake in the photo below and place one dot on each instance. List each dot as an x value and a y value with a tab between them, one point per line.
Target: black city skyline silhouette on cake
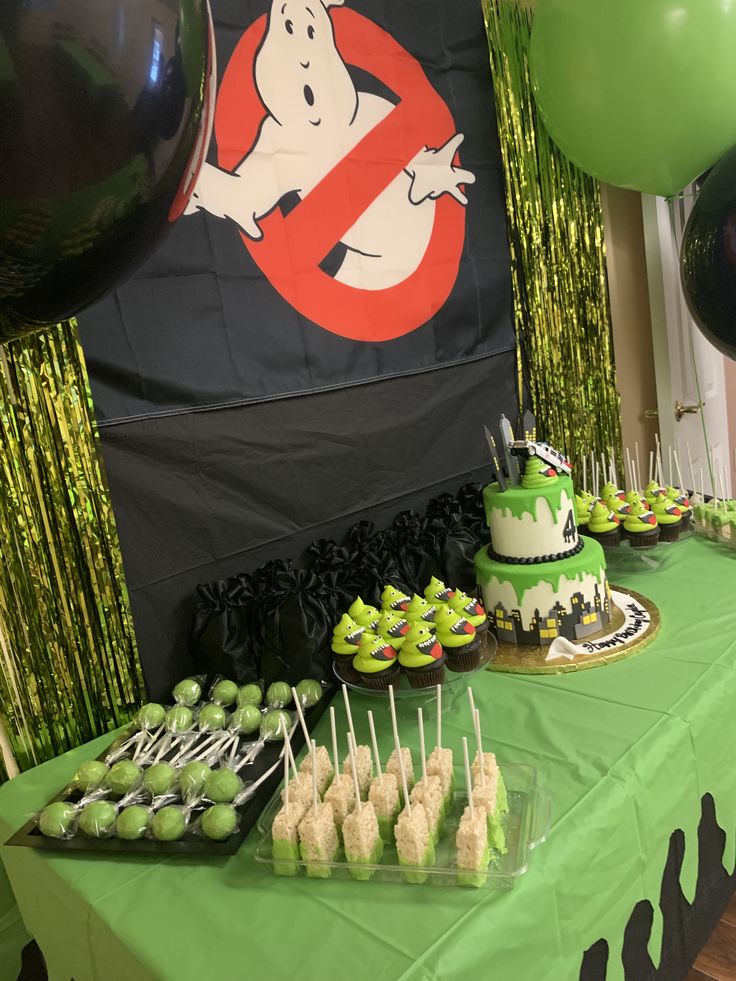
583	620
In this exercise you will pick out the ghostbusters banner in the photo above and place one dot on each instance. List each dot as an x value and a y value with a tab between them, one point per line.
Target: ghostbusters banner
349	223
345	247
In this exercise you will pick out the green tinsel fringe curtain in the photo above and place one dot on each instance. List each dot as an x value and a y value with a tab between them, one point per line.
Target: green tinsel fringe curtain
68	663
558	259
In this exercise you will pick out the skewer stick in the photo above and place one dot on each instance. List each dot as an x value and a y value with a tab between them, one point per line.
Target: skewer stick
636	457
352	748
347	708
481	757
422	748
614	476
374	742
690	462
651	466
723	489
669	462
402	771
286	781
679	475
290	754
392	707
585	473
596	481
333	728
299	712
315	795
702	485
439	716
467	778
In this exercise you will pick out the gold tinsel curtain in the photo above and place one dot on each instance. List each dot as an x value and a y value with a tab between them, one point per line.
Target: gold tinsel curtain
558	258
68	663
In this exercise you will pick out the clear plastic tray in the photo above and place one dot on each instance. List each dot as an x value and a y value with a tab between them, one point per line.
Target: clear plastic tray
526	826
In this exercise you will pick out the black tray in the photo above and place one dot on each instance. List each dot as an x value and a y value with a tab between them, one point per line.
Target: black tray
30	837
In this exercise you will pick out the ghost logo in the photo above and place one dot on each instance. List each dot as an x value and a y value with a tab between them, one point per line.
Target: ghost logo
378	180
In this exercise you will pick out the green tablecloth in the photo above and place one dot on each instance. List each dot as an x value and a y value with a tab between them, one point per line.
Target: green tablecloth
626	752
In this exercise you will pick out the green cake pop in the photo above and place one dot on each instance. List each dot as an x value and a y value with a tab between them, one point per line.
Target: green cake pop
275	725
278	695
193	778
150	716
187	692
223	786
123	777
211	718
98	818
179	719
169	824
308	692
160	779
246	719
90	775
133	822
219	821
249	695
225	693
57	820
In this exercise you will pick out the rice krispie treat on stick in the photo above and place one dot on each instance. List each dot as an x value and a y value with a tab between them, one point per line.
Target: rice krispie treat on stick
383	793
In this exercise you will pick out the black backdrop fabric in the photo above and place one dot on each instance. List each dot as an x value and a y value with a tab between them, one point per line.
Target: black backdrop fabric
213	470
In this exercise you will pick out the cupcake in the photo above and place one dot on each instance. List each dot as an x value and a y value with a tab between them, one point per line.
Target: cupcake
376	663
634	497
470	608
641	527
669	518
422	658
619	507
364	615
393	627
345	640
394	599
653	492
604	526
459	639
583	504
420	611
680	498
437	592
610	490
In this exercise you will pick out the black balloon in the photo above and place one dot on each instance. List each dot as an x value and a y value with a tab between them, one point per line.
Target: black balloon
708	264
104	113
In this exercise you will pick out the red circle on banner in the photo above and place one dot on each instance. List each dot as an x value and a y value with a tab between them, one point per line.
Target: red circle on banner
306	235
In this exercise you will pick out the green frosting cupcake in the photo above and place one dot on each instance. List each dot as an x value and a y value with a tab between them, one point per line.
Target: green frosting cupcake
537	473
634	497
641	526
669	518
437	592
470	608
364	615
394	599
57	820
421	648
376	663
618	506
582	511
169	824
454	630
653	491
610	491
346	637
604	525
393	627
420	610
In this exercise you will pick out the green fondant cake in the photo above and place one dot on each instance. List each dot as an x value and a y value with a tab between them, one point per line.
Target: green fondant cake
539	580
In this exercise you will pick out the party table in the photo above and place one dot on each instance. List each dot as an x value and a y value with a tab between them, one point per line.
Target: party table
626	751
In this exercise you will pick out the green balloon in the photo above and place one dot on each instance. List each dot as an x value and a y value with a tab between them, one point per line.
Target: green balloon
638	93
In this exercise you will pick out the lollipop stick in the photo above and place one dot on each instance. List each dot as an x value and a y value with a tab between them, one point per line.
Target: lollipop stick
374	743
333	727
402	771
290	754
315	795
347	709
651	466
679	474
439	716
481	757
585	473
467	777
286	781
392	707
690	464
352	749
299	712
669	465
422	749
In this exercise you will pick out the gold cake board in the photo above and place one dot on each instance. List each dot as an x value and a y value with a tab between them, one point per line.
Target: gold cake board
527	659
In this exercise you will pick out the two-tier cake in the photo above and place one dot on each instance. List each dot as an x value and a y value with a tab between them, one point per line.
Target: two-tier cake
538	578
